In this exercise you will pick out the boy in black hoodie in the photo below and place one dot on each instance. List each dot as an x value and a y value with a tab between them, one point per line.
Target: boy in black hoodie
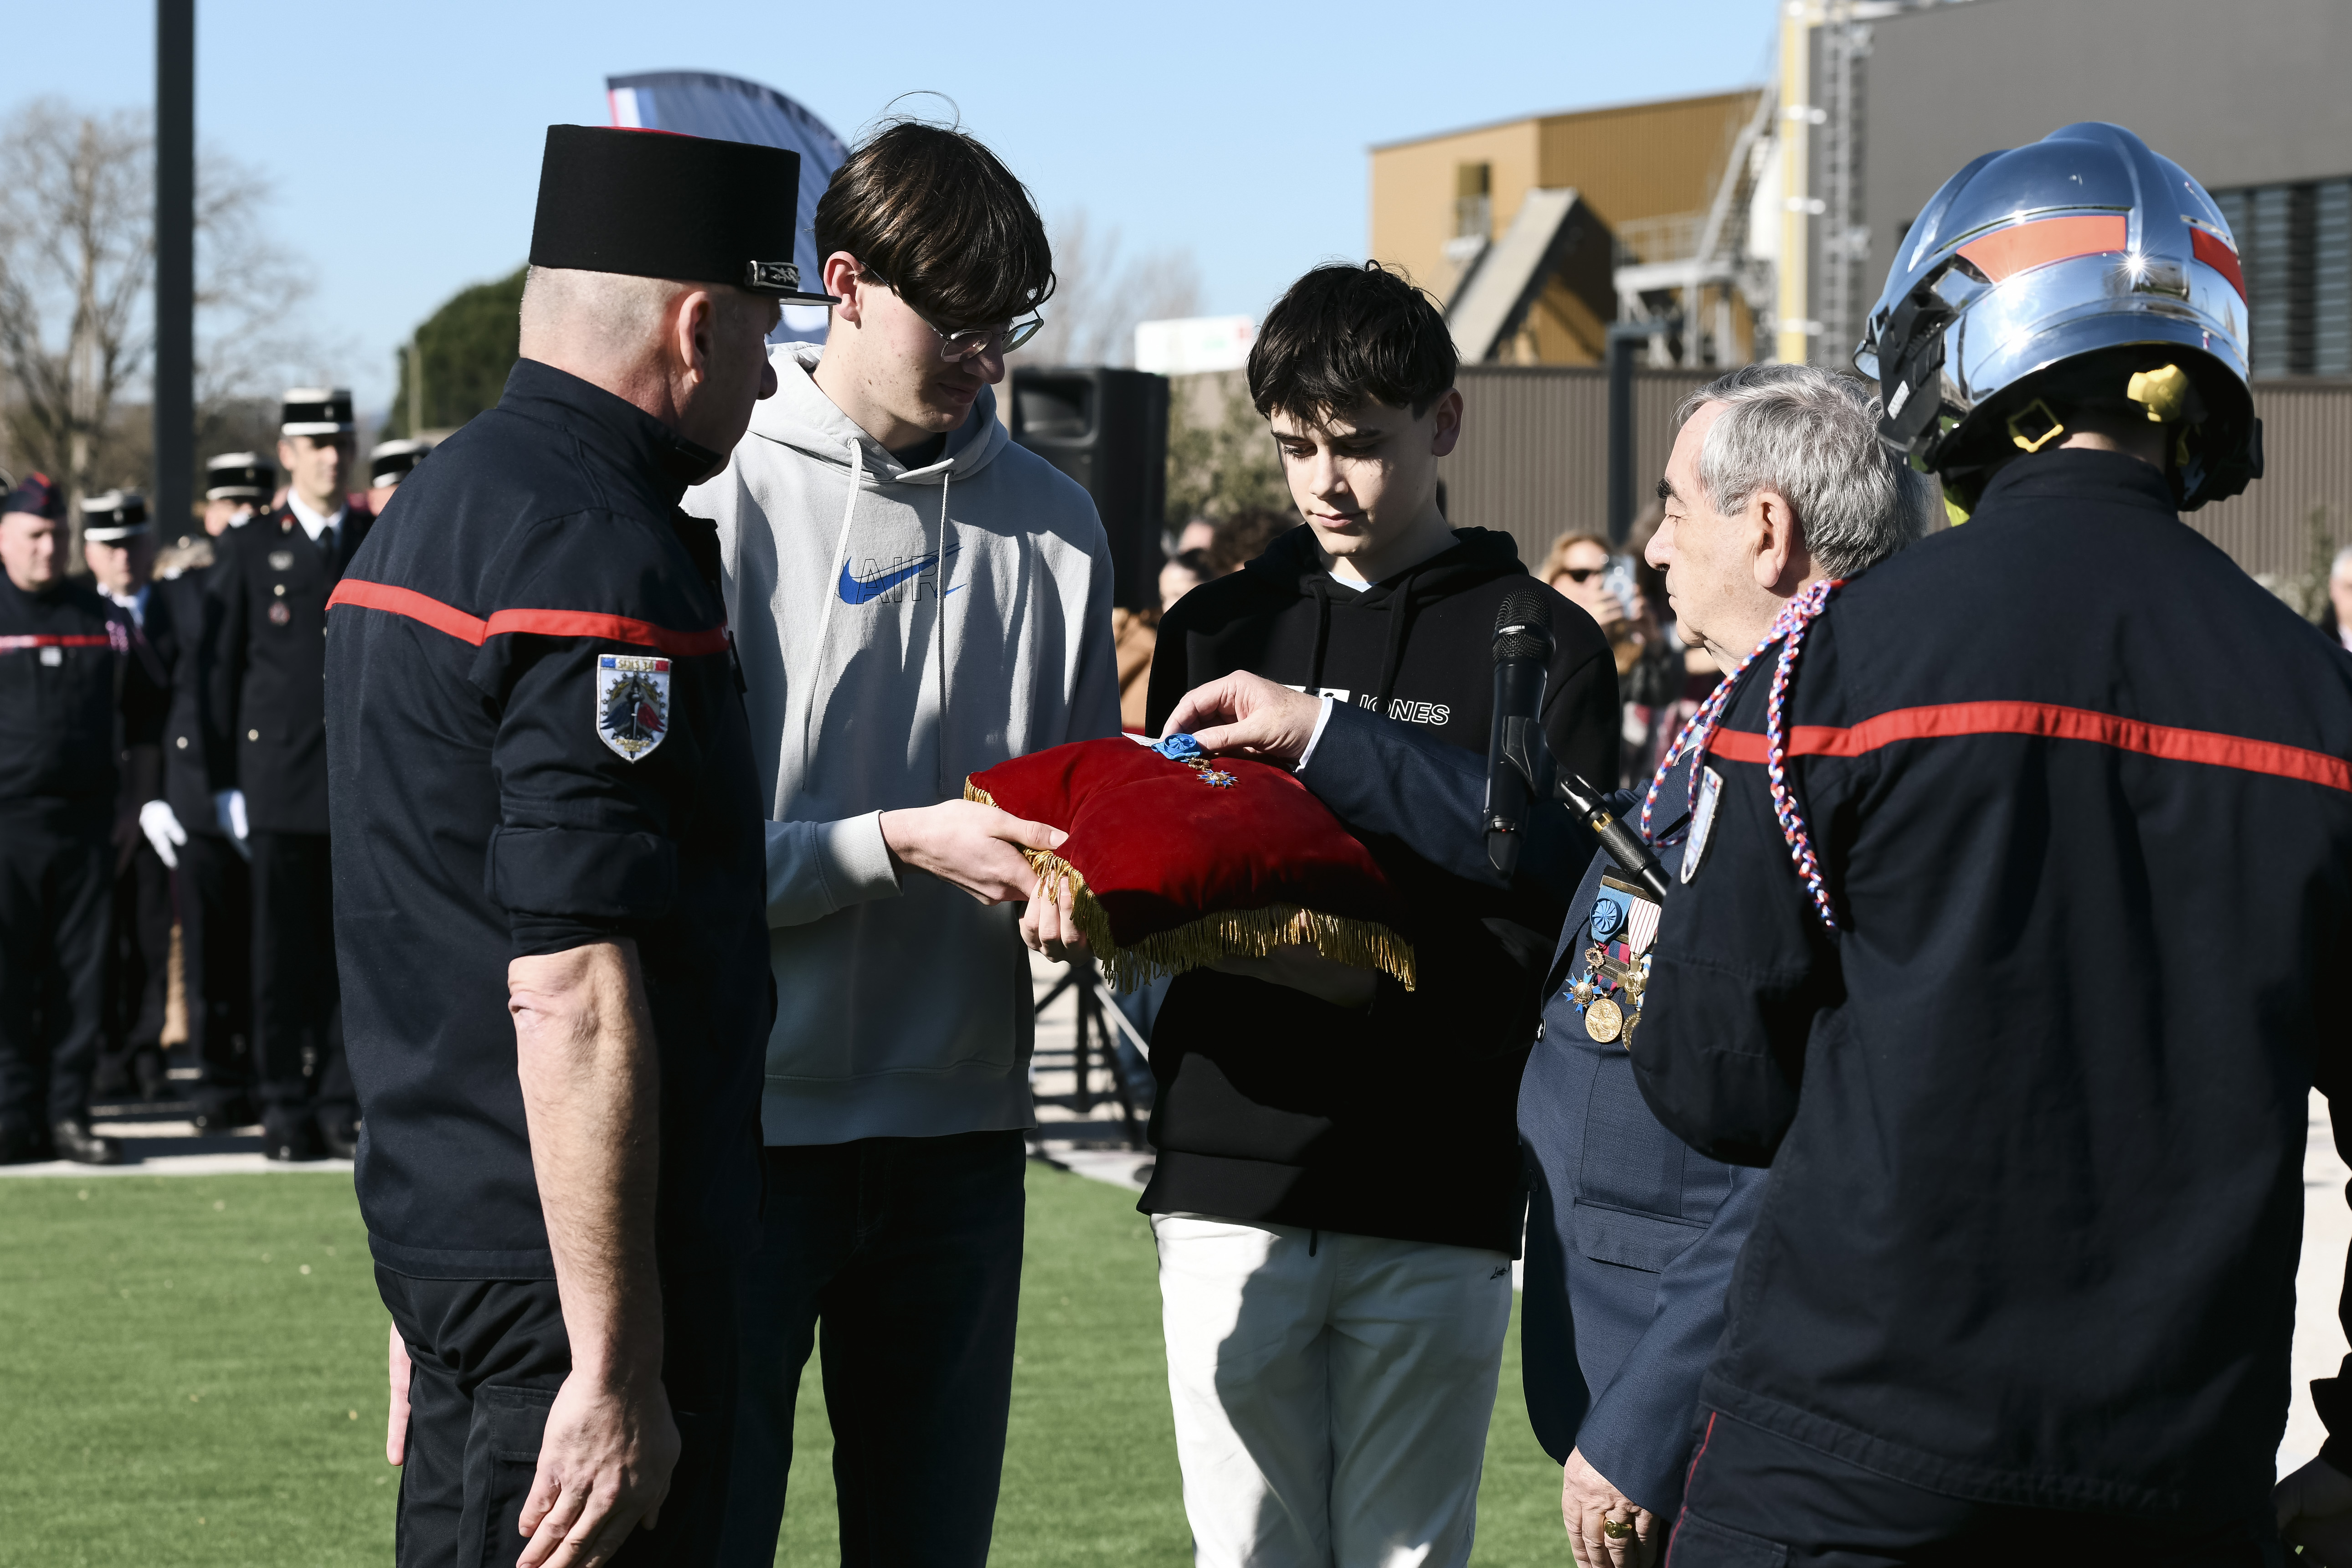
1338	1195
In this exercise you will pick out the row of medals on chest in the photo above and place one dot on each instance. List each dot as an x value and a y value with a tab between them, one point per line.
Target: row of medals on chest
1616	972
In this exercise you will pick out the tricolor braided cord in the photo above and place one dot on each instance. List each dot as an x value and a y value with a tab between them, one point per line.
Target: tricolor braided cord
1787	629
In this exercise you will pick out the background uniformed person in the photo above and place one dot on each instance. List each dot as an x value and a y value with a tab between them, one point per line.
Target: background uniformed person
2016	947
61	647
267	753
119	547
545	801
211	885
389	462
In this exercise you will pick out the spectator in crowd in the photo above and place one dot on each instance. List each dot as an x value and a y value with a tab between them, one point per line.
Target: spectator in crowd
1197	534
1577	566
119	547
1338	1195
2335	617
1243	537
1181	575
915	597
1660	681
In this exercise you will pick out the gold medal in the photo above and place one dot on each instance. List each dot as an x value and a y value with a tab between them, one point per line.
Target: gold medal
1602	1020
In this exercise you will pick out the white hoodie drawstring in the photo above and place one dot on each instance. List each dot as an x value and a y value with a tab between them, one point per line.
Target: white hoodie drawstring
831	592
939	640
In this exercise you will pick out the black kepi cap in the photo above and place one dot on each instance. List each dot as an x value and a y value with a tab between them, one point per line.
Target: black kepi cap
239	476
317	411
113	517
652	204
389	462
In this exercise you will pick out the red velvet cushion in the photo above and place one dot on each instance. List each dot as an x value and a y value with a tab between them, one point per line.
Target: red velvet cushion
1170	869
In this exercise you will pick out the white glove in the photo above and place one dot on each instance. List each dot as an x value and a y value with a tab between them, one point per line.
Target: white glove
228	815
162	830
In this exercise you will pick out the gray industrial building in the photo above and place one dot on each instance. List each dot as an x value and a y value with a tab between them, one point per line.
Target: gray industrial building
2252	97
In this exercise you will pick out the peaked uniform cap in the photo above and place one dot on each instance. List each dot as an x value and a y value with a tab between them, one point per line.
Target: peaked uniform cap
654	204
317	411
238	476
389	462
113	516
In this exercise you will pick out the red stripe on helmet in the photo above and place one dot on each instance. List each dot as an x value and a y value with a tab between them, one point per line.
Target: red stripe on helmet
2006	252
2215	253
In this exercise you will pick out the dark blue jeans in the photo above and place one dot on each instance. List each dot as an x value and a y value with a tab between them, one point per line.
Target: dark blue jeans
910	1251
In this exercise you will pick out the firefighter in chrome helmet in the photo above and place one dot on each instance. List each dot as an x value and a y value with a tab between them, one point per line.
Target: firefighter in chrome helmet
2080	283
2013	931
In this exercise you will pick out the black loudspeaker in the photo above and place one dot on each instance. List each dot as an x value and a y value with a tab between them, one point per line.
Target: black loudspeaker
1108	430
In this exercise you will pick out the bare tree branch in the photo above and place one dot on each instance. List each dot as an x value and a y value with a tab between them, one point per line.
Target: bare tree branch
1097	301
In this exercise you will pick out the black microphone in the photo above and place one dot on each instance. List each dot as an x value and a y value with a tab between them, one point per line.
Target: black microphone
1625	845
1516	758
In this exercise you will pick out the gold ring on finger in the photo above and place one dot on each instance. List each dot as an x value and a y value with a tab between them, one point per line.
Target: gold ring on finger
1615	1529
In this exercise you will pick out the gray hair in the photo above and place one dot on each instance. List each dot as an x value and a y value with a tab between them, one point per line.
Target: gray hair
1812	435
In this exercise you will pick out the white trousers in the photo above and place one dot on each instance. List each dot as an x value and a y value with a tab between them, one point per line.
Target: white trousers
1332	1393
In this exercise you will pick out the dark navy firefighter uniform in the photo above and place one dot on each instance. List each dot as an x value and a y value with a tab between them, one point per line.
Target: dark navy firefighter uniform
1630	1236
537	741
265	667
60	684
2024	1284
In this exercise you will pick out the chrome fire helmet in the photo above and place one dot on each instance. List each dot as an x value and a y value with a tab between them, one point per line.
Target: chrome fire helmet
2083	270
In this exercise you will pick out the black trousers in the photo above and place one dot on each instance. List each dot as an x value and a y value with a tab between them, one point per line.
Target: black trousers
138	975
1757	1499
486	1357
298	1046
57	895
910	1249
213	894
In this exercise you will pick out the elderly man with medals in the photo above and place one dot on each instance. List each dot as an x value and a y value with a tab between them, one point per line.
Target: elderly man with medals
1632	1238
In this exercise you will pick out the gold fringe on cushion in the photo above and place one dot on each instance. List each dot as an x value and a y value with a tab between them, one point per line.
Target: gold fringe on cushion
1234	933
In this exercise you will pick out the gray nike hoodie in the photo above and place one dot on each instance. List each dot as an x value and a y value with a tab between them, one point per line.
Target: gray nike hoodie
902	1008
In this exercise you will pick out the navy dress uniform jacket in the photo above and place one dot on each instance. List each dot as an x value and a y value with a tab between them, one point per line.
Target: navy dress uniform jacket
266	665
60	694
181	614
2036	1111
494	794
1630	1236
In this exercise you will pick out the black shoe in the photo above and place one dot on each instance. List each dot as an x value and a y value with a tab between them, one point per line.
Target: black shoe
220	1114
74	1141
292	1145
343	1141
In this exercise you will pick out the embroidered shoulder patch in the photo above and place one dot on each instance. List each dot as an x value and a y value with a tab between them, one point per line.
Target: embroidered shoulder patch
632	703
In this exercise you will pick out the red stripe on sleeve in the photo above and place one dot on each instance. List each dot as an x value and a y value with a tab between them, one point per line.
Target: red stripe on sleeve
407	602
447	618
613	628
2050	722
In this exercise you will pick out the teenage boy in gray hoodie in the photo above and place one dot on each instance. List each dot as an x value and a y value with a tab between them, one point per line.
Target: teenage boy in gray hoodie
914	599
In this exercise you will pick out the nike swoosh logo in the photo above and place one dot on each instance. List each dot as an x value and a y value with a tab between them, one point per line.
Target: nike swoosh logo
857	590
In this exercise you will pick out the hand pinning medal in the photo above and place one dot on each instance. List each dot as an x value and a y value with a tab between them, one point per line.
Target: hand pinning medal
1623	922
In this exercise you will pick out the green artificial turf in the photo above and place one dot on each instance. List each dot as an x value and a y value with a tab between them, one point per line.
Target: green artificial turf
177	1390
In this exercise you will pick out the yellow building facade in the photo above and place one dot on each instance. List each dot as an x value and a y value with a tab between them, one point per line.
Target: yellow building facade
1647	171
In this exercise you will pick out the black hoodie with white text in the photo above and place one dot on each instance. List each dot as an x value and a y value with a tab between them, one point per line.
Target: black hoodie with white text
1275	1107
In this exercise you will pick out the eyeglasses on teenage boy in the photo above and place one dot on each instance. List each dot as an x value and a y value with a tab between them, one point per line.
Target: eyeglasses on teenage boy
955	347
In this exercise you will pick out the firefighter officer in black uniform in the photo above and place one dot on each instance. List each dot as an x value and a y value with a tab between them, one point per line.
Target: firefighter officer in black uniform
119	547
211	892
266	752
2018	946
61	647
544	801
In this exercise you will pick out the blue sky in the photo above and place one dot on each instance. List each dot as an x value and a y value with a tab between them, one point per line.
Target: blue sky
402	141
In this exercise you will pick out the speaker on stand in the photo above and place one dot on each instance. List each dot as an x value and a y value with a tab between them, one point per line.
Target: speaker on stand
1108	430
